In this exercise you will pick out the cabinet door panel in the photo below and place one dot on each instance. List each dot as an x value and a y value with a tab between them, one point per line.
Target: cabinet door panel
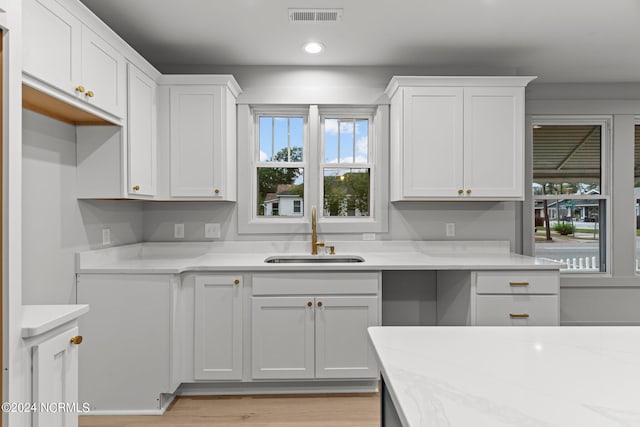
51	44
493	142
282	337
195	142
55	379
342	344
218	328
433	142
141	126
103	73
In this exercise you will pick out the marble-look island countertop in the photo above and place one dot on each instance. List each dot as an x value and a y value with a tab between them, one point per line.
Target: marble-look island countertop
511	376
173	258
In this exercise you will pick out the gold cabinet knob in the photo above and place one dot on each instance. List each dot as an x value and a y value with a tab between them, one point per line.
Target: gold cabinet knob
469	191
90	94
76	340
136	187
80	89
319	303
236	282
216	191
309	304
460	191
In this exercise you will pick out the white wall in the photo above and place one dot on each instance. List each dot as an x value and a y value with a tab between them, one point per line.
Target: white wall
55	225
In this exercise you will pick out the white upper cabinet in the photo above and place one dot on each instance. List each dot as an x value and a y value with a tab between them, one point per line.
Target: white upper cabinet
51	44
103	74
202	142
64	58
457	138
141	133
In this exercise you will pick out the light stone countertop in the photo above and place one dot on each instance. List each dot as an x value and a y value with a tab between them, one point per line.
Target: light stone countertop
174	258
40	319
511	376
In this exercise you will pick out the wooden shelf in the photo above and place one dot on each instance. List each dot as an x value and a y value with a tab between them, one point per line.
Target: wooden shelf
39	102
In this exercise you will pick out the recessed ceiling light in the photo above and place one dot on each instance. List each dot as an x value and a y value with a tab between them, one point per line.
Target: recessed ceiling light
313	47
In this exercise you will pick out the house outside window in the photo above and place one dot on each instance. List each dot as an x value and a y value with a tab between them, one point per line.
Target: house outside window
571	192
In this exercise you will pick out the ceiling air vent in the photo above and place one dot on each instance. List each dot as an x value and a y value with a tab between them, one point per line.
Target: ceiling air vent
315	15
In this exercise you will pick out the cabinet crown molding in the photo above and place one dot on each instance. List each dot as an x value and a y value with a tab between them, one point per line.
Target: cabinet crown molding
202	79
458	81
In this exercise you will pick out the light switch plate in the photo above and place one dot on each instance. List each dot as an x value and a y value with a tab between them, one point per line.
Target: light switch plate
212	231
106	236
178	231
451	229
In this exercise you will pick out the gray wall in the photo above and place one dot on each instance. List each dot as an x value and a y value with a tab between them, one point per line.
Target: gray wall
55	225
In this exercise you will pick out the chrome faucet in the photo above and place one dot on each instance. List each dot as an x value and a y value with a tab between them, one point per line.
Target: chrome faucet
314	234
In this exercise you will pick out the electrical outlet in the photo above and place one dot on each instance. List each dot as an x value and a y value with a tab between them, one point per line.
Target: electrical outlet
451	229
178	231
106	236
368	236
212	231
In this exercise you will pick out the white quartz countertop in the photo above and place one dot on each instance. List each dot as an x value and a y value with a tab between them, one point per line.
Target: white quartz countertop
511	376
39	319
175	258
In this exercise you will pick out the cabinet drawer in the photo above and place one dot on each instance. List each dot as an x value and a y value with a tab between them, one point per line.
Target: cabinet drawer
517	310
517	282
315	283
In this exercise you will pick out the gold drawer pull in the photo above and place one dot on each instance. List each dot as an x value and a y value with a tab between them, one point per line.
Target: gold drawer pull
76	340
309	304
80	89
518	283
460	191
518	315
236	282
469	191
90	94
136	187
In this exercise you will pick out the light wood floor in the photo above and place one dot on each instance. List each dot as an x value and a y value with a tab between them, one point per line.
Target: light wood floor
361	410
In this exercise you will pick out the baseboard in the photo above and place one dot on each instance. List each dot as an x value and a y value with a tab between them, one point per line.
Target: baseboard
249	388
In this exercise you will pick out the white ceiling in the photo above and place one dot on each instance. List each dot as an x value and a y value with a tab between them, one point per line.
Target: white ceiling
557	40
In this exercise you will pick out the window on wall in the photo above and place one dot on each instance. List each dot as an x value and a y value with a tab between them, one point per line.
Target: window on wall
636	175
280	165
300	157
346	170
570	192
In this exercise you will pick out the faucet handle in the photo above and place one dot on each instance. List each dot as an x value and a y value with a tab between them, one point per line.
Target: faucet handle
332	250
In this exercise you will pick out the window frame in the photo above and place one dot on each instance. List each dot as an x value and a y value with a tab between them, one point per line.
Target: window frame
606	123
313	151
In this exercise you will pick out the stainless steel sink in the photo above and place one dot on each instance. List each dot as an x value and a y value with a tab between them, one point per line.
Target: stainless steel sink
312	259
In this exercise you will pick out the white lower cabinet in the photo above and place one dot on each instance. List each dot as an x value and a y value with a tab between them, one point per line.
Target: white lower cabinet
342	345
499	298
315	335
127	363
55	379
218	328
